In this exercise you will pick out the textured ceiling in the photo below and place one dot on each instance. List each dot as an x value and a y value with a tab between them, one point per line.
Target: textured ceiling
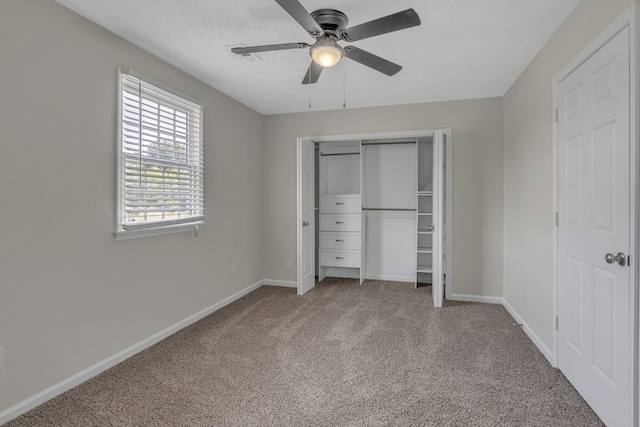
464	49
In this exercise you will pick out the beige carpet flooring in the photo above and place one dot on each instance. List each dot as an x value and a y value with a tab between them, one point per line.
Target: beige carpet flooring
342	355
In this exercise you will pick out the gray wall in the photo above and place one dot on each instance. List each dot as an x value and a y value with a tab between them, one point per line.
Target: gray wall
70	296
477	181
528	192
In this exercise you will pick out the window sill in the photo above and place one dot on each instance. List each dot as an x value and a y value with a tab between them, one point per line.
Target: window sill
159	231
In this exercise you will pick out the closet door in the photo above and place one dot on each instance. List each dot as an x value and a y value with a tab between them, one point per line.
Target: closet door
363	216
431	213
438	217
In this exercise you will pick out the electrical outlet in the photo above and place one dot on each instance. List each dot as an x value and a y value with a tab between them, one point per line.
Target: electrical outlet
1	358
288	265
234	270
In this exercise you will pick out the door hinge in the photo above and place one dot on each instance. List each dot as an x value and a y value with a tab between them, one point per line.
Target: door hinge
557	324
557	219
557	115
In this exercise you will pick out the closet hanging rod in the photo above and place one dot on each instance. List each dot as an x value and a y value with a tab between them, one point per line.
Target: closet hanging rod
389	143
389	209
339	154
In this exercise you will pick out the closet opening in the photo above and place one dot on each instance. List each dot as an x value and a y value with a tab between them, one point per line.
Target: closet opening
380	208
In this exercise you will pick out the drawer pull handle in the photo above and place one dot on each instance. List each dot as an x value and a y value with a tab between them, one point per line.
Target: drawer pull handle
339	257
339	241
339	222
339	203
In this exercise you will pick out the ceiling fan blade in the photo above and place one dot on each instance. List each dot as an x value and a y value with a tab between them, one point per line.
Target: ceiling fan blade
300	14
371	60
387	24
268	47
312	74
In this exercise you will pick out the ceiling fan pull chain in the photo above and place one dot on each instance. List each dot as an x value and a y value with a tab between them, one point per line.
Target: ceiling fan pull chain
344	85
309	80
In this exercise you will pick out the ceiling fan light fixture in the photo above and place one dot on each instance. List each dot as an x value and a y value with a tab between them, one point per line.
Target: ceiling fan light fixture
328	27
326	53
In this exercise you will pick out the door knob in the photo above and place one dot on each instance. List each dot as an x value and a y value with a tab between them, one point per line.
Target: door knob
305	224
620	258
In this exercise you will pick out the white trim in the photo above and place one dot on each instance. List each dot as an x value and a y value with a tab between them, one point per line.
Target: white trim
475	298
94	370
140	76
546	352
634	203
196	227
623	21
281	283
118	217
343	272
448	190
410	279
556	207
371	135
629	18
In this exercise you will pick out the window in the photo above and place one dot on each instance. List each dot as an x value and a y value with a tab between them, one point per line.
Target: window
160	159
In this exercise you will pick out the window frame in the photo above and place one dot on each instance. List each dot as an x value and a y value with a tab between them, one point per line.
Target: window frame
162	227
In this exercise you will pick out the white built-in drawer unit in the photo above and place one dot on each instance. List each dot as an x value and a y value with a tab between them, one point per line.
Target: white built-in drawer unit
339	258
340	203
340	209
338	240
340	222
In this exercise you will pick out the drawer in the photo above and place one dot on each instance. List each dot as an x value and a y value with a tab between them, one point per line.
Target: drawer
337	203
337	258
336	240
331	222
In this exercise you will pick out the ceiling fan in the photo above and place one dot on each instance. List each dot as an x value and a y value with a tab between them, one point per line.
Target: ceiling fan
328	26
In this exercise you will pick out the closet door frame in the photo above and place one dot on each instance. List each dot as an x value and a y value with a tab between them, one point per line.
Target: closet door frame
448	189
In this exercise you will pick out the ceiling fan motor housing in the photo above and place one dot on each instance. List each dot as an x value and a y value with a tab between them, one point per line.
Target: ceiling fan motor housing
333	22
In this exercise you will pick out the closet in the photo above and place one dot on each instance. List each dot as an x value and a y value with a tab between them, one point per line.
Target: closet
381	207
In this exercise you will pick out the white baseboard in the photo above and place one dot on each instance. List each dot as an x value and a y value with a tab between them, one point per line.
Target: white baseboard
410	279
92	371
475	298
282	283
532	335
548	354
347	273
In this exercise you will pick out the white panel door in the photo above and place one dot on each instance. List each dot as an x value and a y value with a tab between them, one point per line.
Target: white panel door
594	294
437	288
306	220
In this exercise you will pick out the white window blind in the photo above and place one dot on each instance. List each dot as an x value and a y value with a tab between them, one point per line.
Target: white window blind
161	157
